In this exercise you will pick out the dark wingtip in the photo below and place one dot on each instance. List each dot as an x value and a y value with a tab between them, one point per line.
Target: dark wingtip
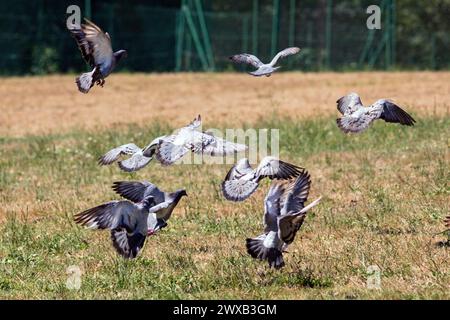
256	249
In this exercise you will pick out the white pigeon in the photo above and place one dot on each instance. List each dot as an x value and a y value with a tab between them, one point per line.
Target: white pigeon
284	214
358	118
129	223
263	69
138	159
188	139
242	180
165	202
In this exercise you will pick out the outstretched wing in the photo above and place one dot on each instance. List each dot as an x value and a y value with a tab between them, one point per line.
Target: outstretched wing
235	186
114	154
393	113
136	162
110	215
173	147
349	103
197	122
221	147
284	53
94	44
247	59
274	168
137	191
289	224
296	194
293	211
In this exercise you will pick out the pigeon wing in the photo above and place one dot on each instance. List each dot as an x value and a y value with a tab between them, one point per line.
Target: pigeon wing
110	215
94	44
393	113
137	191
247	59
236	188
349	103
296	194
284	53
114	154
221	147
274	168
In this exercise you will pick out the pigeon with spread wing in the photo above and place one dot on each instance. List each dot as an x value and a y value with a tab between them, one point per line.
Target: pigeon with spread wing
138	159
242	180
188	139
168	149
136	191
96	49
357	118
129	223
284	214
261	68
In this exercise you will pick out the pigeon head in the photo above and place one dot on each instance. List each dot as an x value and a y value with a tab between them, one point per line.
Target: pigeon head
120	54
182	192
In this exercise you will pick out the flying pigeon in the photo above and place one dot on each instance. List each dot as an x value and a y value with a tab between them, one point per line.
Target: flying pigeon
242	180
284	214
175	146
138	159
95	47
129	223
263	69
358	118
136	191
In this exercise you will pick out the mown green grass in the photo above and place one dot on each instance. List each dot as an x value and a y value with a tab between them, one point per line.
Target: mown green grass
384	192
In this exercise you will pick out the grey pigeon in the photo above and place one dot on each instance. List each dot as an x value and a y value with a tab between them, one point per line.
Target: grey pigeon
242	180
138	159
358	118
263	69
128	222
136	191
284	214
95	47
189	139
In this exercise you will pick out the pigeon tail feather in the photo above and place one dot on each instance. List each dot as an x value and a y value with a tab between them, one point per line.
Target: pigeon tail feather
256	248
85	82
128	246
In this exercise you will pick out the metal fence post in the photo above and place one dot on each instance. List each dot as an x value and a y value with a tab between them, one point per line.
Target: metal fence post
328	34
275	27
179	33
291	27
87	9
255	27
205	34
195	37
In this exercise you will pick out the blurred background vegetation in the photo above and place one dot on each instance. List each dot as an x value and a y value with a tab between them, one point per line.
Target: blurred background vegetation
199	35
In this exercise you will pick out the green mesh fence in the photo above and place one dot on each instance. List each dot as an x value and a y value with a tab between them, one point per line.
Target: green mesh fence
194	35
